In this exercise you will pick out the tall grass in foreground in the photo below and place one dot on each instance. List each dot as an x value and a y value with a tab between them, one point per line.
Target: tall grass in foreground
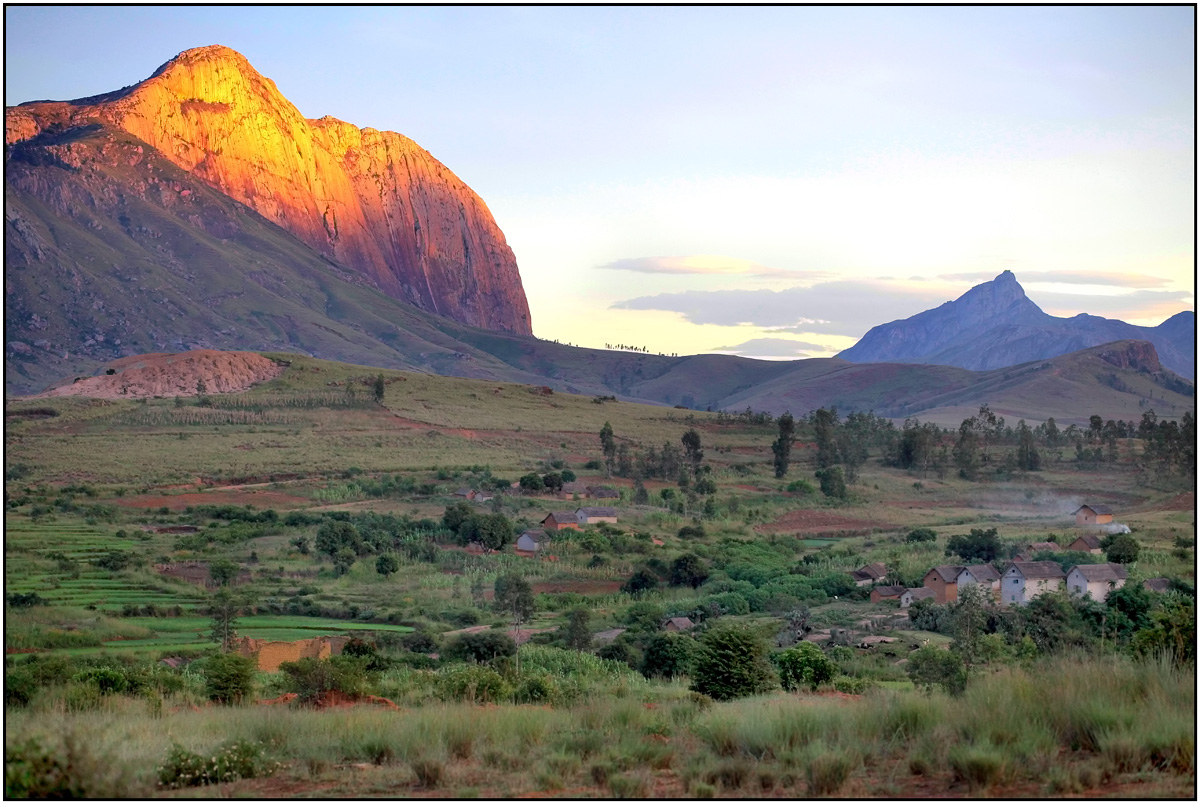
1066	725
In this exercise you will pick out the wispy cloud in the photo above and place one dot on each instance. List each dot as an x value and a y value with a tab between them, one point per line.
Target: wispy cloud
771	348
835	308
707	264
1067	278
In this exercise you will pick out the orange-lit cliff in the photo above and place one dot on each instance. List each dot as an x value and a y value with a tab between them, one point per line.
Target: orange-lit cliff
372	200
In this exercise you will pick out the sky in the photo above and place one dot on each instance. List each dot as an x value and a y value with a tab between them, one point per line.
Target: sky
768	181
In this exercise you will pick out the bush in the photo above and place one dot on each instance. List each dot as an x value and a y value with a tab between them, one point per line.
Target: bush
977	765
229	678
920	535
428	772
667	655
481	647
931	666
472	683
800	487
536	689
108	680
833	482
240	759
312	678
732	663
827	772
32	770
805	665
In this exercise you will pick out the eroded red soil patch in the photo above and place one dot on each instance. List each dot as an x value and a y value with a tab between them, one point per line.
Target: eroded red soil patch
811	521
1181	502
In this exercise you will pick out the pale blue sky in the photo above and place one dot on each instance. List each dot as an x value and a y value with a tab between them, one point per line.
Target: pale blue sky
875	155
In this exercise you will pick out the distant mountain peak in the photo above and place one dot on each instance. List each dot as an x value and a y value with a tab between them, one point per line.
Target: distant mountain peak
994	325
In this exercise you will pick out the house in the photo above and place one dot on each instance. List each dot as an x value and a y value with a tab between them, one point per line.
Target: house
679	624
1157	584
532	541
269	655
573	489
1096	580
881	593
869	574
943	581
482	497
1044	547
1024	580
983	574
1087	543
1092	515
911	596
603	493
560	520
465	493
590	516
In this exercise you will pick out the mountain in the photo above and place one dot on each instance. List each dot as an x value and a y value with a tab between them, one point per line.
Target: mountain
372	201
995	324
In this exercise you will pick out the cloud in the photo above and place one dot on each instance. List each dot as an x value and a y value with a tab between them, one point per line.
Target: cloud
1140	304
771	347
849	307
706	264
1067	278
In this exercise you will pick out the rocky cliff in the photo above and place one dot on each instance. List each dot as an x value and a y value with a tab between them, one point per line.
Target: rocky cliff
995	324
371	200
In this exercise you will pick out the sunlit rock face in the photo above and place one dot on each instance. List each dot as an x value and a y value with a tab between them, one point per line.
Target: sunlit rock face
372	200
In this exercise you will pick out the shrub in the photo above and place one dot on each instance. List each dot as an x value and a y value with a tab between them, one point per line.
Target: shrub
472	683
428	772
32	770
481	647
920	535
827	772
229	678
108	680
833	482
240	759
312	678
853	686
667	655
536	689
19	687
732	663
931	666
804	665
977	765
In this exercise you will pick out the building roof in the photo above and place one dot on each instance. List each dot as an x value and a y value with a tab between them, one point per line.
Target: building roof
538	536
983	573
574	487
603	492
680	622
875	570
562	516
1039	547
1098	509
921	593
597	511
889	591
463	493
1101	572
1090	539
948	572
1037	570
1157	584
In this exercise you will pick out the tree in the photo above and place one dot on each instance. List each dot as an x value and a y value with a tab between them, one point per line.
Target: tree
1028	457
567	476
931	666
688	570
532	482
514	597
732	663
378	389
225	609
493	531
782	446
387	564
980	546
920	535
640	495
624	461
481	647
969	617
833	483
343	560
641	580
824	424
222	571
609	445
302	544
333	536
692	451
552	481
229	678
1122	549
805	665
966	449
579	632
456	515
667	655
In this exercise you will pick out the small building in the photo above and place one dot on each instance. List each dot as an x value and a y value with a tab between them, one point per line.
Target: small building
1087	543
1044	547
869	574
467	494
1157	584
882	593
560	520
594	515
1087	516
482	497
1096	580
679	624
983	574
943	581
603	493
1024	580
573	489
911	596
532	541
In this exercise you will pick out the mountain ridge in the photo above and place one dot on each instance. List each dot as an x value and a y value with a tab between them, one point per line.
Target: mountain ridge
373	201
1003	327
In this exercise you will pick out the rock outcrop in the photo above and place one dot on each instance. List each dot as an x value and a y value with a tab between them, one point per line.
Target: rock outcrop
994	325
371	200
189	374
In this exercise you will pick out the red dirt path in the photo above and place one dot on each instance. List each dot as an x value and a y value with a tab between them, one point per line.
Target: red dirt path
810	521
